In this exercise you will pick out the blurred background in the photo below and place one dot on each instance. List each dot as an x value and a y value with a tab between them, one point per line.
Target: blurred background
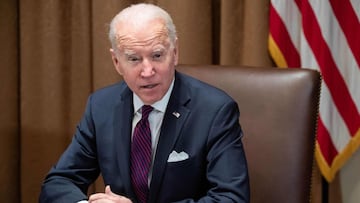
54	53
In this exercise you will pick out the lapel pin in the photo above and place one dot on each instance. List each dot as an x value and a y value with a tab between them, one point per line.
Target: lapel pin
176	114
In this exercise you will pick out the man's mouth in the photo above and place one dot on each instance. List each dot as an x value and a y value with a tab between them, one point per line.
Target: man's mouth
148	86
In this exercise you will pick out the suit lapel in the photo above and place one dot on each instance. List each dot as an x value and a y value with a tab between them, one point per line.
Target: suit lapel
123	115
174	119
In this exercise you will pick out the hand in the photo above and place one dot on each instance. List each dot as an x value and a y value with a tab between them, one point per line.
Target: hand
108	197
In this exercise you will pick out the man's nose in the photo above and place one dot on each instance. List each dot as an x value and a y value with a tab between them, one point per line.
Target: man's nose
147	69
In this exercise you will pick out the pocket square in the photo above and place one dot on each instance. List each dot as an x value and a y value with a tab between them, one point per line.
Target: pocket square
175	157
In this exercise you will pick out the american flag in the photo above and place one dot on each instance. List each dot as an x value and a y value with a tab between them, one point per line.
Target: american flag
324	35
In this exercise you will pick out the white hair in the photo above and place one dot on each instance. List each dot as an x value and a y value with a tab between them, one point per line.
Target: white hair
138	13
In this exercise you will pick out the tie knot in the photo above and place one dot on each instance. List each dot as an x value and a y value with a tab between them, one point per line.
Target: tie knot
145	111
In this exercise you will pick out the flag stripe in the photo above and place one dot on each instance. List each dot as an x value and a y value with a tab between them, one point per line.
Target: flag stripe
327	148
349	23
356	6
331	75
333	121
282	39
307	56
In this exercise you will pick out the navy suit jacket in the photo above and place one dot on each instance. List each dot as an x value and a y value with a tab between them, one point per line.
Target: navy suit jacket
206	128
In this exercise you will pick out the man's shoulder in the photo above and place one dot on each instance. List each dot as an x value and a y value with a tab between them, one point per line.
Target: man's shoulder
110	94
110	90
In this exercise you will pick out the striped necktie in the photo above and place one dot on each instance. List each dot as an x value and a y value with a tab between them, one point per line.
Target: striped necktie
141	155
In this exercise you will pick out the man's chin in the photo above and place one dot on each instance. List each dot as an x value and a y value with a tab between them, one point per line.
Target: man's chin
149	99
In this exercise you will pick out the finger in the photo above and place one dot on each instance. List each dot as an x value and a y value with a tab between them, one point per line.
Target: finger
108	195
98	196
108	190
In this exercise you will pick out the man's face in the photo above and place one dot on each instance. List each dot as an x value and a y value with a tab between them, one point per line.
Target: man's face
145	59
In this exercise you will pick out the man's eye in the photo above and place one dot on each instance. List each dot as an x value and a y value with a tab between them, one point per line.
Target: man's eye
157	56
133	58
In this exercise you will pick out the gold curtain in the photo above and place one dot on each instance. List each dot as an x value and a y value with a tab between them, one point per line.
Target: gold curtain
55	52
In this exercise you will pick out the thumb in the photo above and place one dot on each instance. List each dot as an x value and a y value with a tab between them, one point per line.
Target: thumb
108	190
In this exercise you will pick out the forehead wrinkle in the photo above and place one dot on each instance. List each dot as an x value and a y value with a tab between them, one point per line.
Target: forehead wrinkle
160	36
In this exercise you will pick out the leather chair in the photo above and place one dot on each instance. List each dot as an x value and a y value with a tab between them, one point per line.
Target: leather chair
278	114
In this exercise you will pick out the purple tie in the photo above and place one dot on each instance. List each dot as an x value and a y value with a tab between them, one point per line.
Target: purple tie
141	155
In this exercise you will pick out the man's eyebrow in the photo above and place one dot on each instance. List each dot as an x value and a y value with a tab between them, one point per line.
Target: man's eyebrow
160	48
129	52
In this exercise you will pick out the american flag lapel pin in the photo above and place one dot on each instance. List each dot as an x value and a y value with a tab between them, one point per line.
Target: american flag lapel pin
176	114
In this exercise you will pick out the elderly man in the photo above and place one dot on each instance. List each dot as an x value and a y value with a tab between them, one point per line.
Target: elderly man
160	136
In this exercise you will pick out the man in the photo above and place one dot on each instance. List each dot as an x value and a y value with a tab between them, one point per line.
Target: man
189	143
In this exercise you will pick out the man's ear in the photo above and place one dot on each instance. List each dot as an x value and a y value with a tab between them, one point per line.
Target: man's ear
115	61
176	52
113	57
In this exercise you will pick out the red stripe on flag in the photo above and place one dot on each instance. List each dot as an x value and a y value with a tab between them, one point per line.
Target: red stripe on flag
326	145
331	74
282	38
349	24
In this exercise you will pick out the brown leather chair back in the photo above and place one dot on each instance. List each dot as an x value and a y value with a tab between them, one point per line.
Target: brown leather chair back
278	114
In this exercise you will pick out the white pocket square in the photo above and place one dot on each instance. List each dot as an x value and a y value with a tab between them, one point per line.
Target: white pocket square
175	157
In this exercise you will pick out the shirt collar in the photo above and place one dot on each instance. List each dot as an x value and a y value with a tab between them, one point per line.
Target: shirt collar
159	105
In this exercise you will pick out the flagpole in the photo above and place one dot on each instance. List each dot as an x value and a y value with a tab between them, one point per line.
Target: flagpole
325	190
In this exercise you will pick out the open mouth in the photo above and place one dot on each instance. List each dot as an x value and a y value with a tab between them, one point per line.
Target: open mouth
148	86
